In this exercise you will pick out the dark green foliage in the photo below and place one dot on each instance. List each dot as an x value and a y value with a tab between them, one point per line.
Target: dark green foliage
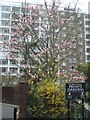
85	69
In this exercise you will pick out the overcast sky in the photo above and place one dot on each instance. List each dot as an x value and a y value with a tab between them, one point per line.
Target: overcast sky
82	4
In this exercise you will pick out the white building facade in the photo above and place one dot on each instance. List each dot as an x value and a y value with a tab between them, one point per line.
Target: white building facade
87	37
87	34
6	64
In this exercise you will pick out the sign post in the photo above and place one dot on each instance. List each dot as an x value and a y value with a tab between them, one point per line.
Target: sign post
68	109
75	91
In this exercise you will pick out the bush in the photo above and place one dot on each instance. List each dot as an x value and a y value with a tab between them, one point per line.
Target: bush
49	100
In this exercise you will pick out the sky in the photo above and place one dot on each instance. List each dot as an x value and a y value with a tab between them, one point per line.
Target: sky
82	4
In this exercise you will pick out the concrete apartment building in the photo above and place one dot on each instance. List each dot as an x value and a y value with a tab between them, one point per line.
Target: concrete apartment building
8	66
87	34
77	48
6	9
87	37
78	44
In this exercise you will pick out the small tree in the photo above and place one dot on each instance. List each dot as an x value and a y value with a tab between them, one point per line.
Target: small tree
38	35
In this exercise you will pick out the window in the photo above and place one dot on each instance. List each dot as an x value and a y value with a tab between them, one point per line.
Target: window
14	37
88	29
15	54
0	7
13	30
87	22
4	70
88	57
88	50
13	62
4	61
4	37
23	9
6	8
17	9
21	70
87	16
88	43
87	36
3	54
4	30
5	15
13	70
0	61
72	60
5	22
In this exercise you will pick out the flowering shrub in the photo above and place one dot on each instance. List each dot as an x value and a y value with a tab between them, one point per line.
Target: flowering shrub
42	36
50	98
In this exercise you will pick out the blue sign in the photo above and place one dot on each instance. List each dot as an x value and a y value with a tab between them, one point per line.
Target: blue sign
75	90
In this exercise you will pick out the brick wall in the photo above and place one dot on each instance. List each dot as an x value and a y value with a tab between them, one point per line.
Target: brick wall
16	95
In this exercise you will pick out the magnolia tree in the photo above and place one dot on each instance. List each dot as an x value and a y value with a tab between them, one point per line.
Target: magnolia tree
43	36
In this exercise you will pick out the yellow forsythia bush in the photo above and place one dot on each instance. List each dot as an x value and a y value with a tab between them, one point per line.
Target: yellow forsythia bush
51	100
